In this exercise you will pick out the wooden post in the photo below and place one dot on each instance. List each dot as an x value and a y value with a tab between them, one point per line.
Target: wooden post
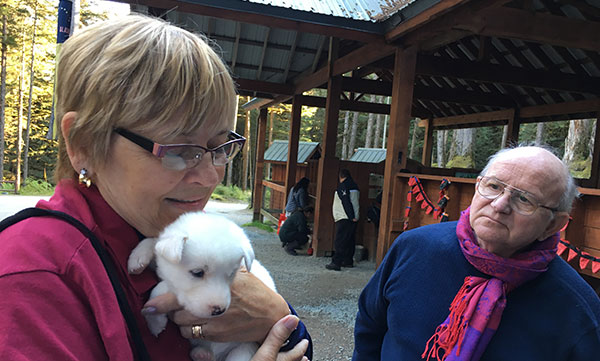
512	129
428	143
260	164
292	160
246	152
327	175
397	139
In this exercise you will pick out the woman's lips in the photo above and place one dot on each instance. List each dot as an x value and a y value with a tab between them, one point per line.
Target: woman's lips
187	205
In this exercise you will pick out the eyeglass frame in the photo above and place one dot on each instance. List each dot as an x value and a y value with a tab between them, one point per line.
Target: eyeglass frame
512	190
159	150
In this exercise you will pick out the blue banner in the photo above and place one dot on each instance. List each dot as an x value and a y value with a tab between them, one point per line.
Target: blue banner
65	18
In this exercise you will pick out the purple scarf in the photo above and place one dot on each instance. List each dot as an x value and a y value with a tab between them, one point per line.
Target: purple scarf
476	310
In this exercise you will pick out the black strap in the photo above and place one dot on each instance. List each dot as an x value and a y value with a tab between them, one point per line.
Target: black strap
142	353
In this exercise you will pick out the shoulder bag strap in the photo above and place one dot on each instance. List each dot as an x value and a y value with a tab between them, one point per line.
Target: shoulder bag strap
142	353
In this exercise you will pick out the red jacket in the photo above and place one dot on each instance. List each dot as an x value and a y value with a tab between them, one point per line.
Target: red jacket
56	301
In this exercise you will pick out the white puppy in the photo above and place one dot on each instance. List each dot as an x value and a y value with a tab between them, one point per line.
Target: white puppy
197	257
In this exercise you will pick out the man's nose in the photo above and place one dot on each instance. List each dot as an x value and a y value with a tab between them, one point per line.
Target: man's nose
502	202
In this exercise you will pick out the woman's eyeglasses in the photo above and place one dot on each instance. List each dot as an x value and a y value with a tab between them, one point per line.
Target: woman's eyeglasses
186	156
521	201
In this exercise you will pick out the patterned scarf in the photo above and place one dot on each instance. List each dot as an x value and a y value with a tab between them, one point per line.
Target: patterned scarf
476	310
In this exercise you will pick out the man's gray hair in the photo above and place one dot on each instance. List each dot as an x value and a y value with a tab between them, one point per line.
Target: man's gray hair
565	203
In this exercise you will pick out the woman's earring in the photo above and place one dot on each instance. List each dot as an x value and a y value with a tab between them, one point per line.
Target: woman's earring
83	178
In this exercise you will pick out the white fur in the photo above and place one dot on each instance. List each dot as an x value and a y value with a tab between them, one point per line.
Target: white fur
200	243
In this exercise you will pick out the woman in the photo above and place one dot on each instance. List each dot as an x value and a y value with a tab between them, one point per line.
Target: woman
146	111
298	197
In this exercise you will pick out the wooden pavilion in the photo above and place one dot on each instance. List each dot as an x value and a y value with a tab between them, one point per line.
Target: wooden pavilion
452	63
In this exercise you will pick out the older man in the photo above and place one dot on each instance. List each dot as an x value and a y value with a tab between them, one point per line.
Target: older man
488	287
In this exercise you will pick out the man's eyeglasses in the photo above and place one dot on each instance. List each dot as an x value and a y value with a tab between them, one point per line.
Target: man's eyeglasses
521	201
186	156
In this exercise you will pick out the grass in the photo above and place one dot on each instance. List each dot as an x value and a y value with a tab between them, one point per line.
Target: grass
33	187
230	194
266	226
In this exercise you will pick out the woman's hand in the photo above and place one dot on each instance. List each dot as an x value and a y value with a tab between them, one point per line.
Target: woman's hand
269	350
253	311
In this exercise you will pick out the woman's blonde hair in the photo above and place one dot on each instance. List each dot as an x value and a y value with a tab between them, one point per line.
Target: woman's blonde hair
142	74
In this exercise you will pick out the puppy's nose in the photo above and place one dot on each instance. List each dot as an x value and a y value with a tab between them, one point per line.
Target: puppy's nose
217	310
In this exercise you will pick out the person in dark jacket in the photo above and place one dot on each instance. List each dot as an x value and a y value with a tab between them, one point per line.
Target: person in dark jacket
345	213
294	231
298	197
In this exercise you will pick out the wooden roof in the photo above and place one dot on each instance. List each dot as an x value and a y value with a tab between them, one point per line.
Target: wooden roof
474	56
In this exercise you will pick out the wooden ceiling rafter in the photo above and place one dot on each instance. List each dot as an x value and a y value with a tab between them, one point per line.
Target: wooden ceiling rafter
263	53
236	44
290	56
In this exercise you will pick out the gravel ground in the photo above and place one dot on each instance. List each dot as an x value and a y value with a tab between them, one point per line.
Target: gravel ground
326	301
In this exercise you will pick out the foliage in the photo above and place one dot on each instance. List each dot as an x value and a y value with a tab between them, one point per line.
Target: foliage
267	226
33	187
230	194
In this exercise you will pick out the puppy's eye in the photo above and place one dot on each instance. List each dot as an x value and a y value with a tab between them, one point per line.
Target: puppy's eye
197	273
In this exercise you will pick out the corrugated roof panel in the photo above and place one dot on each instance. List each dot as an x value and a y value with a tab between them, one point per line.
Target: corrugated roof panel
278	151
368	155
366	10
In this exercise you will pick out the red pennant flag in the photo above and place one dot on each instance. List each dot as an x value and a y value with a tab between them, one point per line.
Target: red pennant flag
436	213
423	205
412	181
428	211
595	266
420	197
561	248
406	212
409	196
571	255
583	262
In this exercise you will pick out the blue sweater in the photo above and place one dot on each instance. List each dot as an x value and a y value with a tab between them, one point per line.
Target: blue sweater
553	317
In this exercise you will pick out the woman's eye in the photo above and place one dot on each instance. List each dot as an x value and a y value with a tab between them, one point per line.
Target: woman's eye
197	273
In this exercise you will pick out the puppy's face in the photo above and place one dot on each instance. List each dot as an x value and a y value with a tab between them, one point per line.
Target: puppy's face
198	256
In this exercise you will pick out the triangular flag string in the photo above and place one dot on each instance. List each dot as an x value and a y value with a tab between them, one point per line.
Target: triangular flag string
584	257
417	192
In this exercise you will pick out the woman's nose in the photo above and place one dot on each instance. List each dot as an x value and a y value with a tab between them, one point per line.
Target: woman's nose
502	203
205	172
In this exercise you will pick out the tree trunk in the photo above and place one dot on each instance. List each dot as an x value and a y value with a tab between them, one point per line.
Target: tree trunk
3	93
378	123
413	140
462	147
352	141
369	135
31	73
539	134
345	135
246	153
20	116
504	136
577	141
441	147
271	119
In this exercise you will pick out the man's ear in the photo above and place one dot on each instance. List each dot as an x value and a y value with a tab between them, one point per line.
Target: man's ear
558	222
76	156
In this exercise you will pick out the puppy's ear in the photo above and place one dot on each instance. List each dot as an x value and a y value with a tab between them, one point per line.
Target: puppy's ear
171	247
248	254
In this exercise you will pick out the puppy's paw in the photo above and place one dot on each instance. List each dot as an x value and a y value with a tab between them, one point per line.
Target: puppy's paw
200	353
141	256
156	323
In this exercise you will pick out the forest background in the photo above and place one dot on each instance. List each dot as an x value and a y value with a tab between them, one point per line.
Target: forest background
28	56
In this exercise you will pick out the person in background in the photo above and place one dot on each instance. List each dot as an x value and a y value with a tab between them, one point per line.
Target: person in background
298	197
146	112
489	286
345	213
294	232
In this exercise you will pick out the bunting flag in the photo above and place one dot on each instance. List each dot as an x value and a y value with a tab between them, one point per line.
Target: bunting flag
417	192
67	9
584	258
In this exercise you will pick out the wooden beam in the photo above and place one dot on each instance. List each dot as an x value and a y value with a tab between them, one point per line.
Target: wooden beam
292	158
263	53
364	55
236	44
397	139
510	75
512	129
581	106
427	143
538	27
260	165
422	18
328	167
291	54
264	86
471	120
264	19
